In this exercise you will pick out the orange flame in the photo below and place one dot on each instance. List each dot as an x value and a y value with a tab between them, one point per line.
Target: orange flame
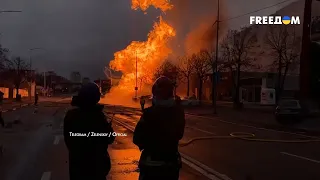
164	5
144	57
148	55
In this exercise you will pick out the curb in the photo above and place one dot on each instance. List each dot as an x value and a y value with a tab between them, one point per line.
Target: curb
13	108
274	127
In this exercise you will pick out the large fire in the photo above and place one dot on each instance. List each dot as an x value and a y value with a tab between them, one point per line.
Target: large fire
139	60
148	55
145	57
164	5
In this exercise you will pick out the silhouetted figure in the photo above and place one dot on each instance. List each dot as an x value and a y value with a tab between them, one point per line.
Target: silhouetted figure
178	100
36	98
142	102
88	155
157	134
1	101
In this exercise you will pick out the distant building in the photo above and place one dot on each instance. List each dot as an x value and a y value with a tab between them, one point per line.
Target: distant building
85	80
26	87
75	77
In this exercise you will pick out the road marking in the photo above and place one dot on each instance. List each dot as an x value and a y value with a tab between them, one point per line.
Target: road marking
203	169
5	111
201	130
301	157
244	125
46	176
196	165
13	109
24	105
56	140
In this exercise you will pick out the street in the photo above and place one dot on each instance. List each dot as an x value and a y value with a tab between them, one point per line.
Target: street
271	154
34	148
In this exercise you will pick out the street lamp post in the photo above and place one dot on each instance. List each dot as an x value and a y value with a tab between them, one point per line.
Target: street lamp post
30	59
109	76
136	88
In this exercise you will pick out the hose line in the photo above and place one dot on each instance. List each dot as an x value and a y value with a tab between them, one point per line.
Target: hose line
246	137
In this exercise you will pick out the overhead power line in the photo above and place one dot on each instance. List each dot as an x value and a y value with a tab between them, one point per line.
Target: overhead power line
238	16
267	7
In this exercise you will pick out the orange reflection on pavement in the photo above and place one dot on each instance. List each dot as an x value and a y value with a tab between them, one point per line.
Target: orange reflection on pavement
124	164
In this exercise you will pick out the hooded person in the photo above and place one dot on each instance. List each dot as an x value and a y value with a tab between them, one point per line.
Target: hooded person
158	132
88	155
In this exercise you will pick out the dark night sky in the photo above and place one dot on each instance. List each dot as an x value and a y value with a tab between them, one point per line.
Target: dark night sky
82	35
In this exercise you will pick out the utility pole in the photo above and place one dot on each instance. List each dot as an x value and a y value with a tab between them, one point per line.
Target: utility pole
30	59
100	84
136	88
305	52
45	83
215	80
30	74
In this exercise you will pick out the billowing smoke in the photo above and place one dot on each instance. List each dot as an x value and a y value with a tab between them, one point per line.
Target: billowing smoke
194	24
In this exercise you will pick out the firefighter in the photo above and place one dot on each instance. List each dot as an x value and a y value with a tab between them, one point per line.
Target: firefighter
158	132
88	155
142	102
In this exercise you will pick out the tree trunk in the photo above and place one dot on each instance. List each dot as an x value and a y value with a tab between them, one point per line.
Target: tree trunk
279	79
237	101
283	80
213	91
200	90
188	88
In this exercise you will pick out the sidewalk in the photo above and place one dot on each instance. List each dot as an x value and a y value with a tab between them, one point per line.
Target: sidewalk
247	105
9	104
256	118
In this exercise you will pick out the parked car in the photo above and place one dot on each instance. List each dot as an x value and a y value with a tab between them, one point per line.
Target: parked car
289	110
190	101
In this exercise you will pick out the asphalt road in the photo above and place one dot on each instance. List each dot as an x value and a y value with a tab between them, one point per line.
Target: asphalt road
269	155
35	149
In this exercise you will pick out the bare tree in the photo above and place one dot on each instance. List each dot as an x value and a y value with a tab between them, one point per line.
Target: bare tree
169	70
186	68
3	57
284	46
212	63
19	71
238	55
201	69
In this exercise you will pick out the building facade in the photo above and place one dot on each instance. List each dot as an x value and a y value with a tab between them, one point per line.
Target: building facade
75	77
251	85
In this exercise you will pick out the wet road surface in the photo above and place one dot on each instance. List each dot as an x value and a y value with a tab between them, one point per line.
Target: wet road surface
35	149
269	155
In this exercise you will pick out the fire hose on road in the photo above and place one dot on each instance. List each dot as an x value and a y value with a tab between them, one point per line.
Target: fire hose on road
234	135
247	137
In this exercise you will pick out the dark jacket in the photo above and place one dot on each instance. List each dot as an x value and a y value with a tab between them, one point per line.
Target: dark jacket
159	130
88	156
